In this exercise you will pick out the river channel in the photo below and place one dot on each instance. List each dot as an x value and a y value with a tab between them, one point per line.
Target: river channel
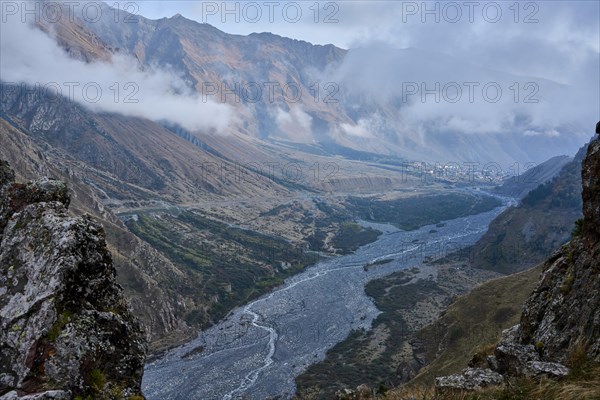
259	349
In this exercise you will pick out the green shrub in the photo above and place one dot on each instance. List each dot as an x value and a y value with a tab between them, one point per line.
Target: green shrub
97	380
578	229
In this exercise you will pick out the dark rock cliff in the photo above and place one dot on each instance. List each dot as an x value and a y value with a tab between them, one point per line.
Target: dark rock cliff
65	327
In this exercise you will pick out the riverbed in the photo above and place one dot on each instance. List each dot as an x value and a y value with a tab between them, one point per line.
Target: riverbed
259	349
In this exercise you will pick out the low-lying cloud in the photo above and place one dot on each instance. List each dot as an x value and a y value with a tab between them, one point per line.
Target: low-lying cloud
32	57
434	99
295	124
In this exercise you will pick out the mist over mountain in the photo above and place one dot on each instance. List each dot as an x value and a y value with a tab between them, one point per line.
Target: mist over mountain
417	104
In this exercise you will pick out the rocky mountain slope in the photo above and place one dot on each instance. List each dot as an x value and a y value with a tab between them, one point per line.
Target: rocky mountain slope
521	184
66	329
525	235
571	281
559	328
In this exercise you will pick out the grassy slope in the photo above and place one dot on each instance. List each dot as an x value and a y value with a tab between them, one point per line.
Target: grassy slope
582	384
473	321
469	330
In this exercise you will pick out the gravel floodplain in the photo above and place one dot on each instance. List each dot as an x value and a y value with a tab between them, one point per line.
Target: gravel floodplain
259	349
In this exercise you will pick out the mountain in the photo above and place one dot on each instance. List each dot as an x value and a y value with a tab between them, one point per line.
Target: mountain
525	235
234	88
66	329
520	185
353	98
133	173
161	174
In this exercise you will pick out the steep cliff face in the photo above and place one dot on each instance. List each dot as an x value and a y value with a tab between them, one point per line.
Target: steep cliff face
65	328
564	310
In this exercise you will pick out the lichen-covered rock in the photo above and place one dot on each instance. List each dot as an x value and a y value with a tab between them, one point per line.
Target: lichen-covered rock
48	395
14	197
469	379
538	368
64	323
512	358
515	359
492	363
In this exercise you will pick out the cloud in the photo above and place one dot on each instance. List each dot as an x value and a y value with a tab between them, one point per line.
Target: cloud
32	57
365	128
295	124
546	82
550	133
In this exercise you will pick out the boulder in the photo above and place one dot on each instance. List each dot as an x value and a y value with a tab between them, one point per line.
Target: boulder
48	395
551	369
65	326
469	379
512	357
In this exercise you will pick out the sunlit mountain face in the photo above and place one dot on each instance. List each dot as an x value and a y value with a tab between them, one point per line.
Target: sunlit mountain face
404	92
293	194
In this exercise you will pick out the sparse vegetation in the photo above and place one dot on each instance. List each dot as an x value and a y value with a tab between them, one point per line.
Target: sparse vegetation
227	266
351	236
97	380
414	212
574	387
567	283
373	357
578	229
58	326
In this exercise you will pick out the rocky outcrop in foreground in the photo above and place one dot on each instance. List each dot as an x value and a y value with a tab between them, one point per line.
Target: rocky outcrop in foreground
65	328
561	319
